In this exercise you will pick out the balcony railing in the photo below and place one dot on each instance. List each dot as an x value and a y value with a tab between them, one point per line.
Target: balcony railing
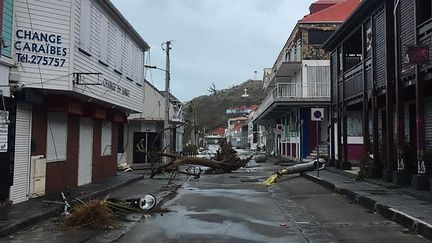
302	90
354	81
265	104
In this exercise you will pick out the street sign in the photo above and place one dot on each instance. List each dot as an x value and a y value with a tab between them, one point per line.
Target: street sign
279	128
317	114
4	131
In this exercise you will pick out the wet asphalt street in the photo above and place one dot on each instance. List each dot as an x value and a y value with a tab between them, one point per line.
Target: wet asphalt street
236	208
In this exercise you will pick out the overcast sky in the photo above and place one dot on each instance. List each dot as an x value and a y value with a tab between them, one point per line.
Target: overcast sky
220	41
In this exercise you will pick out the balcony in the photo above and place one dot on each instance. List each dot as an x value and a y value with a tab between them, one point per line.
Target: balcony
302	91
293	95
424	31
282	71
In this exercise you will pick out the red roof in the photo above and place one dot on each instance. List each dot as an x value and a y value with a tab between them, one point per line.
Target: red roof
330	11
238	126
241	118
218	131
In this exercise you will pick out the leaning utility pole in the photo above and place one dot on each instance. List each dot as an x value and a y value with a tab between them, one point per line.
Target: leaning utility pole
167	132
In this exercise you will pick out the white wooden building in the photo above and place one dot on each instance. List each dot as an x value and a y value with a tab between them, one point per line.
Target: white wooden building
146	126
80	65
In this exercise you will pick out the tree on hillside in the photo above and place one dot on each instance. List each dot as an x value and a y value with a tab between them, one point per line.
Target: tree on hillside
210	109
212	89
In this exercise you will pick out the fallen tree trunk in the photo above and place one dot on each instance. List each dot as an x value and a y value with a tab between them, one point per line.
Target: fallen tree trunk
214	165
225	161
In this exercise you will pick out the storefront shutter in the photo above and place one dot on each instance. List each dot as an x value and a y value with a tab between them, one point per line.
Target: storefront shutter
428	125
106	138
22	153
56	136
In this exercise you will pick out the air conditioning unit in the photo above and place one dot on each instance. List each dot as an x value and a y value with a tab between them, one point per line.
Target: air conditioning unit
37	176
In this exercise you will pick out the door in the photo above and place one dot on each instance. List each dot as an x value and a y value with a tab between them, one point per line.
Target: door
151	142
85	151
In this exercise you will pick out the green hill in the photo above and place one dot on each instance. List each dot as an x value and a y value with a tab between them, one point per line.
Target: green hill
210	109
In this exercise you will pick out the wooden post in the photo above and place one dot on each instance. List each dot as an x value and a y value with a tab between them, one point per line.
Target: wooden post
390	166
366	139
344	164
421	180
400	176
331	110
339	116
375	136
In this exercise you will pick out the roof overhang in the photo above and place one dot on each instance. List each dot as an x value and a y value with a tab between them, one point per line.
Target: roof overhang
364	9
281	107
288	69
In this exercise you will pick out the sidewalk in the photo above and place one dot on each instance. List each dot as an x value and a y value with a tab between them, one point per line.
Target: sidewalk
24	214
392	203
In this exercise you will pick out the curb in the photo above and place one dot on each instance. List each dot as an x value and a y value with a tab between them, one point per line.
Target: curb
56	209
415	225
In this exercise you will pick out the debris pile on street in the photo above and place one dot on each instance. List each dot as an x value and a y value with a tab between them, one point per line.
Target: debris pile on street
94	214
99	214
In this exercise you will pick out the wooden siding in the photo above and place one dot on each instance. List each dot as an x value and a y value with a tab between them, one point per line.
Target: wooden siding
100	45
407	32
123	54
380	64
50	18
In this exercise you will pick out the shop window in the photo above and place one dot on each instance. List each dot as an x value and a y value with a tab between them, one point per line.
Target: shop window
56	136
106	138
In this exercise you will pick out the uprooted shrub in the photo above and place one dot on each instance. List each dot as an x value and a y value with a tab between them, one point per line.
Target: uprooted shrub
94	214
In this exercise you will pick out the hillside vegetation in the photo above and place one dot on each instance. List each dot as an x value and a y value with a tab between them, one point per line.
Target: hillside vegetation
210	109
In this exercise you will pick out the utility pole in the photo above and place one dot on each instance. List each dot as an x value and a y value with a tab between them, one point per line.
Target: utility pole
167	132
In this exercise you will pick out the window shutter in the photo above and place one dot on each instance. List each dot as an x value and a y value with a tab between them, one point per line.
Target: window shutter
104	40
85	25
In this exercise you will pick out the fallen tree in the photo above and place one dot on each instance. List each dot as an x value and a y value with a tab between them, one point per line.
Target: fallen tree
225	161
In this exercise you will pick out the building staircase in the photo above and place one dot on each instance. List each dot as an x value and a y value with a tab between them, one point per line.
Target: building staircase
323	151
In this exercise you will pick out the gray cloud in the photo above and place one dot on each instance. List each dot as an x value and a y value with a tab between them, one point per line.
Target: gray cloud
221	41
